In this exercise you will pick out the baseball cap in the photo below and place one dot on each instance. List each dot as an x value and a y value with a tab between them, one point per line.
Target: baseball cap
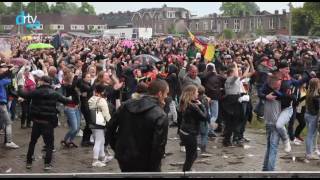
228	56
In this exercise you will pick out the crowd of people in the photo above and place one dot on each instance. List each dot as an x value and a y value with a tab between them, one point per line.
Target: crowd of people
129	103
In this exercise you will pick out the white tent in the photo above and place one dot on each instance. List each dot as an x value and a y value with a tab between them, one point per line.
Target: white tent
261	40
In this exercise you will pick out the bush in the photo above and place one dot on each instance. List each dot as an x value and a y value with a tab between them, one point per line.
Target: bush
228	34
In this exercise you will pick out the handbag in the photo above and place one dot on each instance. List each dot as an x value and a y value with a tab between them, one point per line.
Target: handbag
96	116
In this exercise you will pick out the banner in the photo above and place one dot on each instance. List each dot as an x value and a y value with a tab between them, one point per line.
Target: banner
207	50
5	48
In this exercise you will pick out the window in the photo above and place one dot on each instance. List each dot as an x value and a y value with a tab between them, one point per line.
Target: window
251	24
171	14
57	26
236	24
197	26
211	25
8	27
77	27
205	26
259	23
225	24
279	23
271	23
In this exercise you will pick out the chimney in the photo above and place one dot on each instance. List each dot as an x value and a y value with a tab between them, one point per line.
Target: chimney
284	11
276	12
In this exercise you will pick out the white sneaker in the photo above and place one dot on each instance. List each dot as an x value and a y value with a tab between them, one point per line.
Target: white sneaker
80	133
98	164
107	159
312	157
287	147
297	142
182	148
317	152
12	145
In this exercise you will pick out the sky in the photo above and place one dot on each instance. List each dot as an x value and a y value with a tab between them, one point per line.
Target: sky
196	8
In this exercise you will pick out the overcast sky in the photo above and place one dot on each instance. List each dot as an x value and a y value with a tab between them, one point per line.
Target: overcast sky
196	8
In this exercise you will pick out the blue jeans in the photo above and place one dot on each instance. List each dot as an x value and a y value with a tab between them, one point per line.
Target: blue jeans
214	112
73	116
283	119
273	140
312	125
203	133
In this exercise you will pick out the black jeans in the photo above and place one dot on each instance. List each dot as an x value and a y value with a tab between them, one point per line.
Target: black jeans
25	105
190	142
302	122
46	131
232	127
87	131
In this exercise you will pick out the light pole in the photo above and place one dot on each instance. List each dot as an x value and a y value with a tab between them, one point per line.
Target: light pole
290	21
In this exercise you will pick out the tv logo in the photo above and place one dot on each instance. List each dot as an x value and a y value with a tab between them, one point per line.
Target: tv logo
29	21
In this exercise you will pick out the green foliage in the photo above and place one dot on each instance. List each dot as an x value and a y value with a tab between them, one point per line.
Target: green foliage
38	7
260	32
3	8
172	29
68	8
15	8
86	9
306	20
236	8
228	34
300	18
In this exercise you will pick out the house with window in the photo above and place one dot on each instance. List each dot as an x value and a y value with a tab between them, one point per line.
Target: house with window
58	22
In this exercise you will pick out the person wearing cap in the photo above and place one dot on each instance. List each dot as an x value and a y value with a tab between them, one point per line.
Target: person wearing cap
214	87
43	113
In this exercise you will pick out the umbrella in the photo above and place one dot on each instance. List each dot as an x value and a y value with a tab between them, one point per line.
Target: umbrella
18	61
147	59
39	46
203	39
127	43
168	40
261	40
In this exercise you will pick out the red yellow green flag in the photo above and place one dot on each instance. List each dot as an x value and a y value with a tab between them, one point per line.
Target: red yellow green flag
206	49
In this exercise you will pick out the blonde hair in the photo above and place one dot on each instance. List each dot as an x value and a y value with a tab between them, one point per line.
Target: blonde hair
187	96
313	89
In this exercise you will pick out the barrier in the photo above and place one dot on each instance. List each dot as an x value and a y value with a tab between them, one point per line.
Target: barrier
222	174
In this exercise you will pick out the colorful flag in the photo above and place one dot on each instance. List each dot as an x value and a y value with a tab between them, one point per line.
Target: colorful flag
207	50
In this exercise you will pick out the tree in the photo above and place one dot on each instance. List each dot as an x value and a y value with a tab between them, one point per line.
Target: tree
3	8
306	20
67	8
15	8
86	9
228	34
300	18
237	8
38	7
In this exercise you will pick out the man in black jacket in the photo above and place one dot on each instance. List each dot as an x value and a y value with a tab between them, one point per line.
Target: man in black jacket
139	129
43	112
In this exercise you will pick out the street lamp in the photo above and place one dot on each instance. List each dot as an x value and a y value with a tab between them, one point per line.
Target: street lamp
290	21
